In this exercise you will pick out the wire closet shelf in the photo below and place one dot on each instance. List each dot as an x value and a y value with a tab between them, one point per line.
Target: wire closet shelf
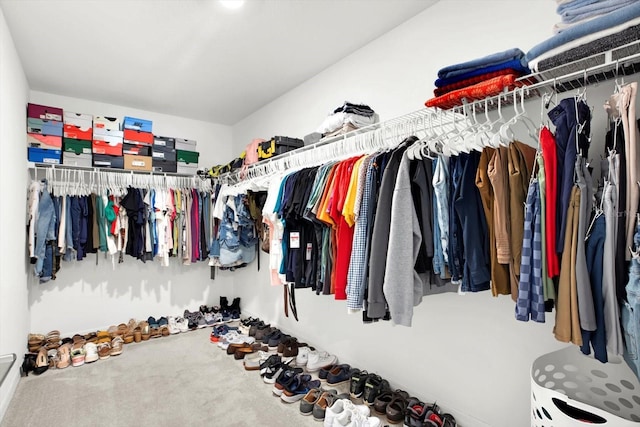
592	70
73	180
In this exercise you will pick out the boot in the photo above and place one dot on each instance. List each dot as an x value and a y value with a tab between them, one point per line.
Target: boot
224	303
235	305
29	364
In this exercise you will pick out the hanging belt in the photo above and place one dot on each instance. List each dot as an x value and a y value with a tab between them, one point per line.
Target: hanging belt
290	300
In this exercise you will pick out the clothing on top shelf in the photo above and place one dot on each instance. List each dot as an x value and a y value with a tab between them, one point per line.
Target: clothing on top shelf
484	89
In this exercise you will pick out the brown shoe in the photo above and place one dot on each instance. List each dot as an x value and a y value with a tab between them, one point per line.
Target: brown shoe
104	350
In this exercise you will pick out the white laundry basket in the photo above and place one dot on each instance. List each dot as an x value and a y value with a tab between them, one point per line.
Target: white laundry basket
569	389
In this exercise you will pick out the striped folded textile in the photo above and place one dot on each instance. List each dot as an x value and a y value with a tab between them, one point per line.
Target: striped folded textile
475	92
439	91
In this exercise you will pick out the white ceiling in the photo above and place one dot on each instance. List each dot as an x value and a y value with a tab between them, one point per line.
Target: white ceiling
191	58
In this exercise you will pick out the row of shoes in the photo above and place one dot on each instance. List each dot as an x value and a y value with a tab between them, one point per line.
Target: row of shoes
74	351
50	351
292	367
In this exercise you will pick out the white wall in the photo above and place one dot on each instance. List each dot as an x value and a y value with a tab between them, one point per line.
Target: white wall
466	352
14	312
86	296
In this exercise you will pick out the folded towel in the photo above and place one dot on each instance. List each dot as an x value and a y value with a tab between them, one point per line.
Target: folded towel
486	61
562	26
573	4
472	81
580	14
533	63
482	90
612	19
513	64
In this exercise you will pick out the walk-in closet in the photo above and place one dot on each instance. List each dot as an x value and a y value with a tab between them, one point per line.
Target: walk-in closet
339	213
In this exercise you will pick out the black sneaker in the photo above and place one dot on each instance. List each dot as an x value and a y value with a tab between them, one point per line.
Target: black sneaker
358	380
373	387
271	361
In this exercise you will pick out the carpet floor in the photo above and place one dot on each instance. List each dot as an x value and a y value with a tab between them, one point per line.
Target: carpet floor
172	381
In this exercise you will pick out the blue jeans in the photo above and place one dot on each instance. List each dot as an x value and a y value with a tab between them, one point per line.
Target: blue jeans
631	312
441	191
565	119
45	229
68	251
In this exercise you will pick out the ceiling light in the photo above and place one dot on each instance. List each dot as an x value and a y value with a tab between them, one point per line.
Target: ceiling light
232	4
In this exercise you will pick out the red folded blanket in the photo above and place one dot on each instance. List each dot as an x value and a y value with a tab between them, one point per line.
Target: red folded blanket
439	91
475	92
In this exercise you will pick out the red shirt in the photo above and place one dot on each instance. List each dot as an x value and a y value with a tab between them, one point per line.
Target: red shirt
549	156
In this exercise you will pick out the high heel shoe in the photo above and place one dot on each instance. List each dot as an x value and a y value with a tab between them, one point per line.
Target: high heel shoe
28	364
42	362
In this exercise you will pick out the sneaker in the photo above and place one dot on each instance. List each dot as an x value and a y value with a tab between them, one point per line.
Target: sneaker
324	372
309	400
263	331
270	362
339	407
373	387
275	340
182	324
352	417
288	377
320	359
358	379
253	328
340	374
303	356
173	325
253	361
326	399
300	386
273	372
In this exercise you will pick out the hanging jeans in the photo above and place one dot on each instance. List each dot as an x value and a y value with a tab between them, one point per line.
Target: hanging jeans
530	303
631	311
566	120
594	256
441	191
45	228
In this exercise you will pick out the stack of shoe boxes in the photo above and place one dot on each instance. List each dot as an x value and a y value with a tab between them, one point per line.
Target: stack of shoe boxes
164	154
76	141
107	143
44	134
187	156
138	139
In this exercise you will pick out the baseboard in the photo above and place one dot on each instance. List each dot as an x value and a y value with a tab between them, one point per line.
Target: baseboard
8	388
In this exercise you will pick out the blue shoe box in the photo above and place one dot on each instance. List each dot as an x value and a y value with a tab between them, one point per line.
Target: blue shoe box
42	155
137	124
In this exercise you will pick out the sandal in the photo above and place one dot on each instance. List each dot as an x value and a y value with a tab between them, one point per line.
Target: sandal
117	346
145	330
103	336
104	350
64	356
77	356
165	331
42	362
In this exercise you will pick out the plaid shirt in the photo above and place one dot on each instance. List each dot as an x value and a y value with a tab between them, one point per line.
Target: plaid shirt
358	261
530	301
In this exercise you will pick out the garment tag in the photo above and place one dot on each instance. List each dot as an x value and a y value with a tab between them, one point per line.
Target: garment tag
308	256
294	240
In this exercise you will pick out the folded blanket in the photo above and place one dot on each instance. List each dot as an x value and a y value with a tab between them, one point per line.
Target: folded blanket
486	61
573	4
603	22
439	91
533	63
591	48
595	9
562	26
513	64
482	90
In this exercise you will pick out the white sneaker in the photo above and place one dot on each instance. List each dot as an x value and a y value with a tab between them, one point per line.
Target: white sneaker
173	325
303	356
182	324
352	417
320	359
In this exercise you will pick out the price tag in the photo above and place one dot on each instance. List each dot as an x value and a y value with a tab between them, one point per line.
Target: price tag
308	256
294	240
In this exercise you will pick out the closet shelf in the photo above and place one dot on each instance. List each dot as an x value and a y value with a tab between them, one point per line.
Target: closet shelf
46	166
594	69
